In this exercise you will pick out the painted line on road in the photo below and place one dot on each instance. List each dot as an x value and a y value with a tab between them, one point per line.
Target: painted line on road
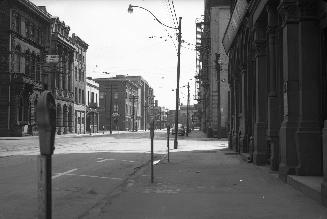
91	176
100	161
131	161
64	173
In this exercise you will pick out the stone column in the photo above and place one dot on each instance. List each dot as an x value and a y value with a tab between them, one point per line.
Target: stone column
273	103
260	138
308	135
231	112
251	95
236	114
243	122
289	11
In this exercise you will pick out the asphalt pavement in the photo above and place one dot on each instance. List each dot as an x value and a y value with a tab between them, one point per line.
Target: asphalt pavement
202	183
108	176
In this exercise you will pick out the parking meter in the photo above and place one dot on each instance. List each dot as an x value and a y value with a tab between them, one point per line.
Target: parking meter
46	118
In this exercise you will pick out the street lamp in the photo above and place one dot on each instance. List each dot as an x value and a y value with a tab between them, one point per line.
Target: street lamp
179	28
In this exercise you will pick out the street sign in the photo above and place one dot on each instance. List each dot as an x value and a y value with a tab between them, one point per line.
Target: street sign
52	58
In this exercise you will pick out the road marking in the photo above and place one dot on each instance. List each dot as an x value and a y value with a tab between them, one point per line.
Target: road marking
101	177
100	161
156	162
64	173
131	161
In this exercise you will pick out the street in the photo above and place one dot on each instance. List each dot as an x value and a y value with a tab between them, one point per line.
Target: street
86	169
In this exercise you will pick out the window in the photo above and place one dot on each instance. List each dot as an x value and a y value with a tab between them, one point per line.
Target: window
116	108
27	62
79	74
33	67
88	97
79	96
96	98
37	36
32	31
20	109
115	95
37	68
101	95
75	73
27	29
16	22
17	59
83	97
92	97
76	95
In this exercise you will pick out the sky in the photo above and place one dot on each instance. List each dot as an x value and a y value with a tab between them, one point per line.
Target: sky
121	43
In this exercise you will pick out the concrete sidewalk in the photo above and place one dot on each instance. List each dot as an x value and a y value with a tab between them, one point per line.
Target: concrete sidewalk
207	184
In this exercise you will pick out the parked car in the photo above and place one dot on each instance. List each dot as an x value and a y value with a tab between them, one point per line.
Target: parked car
181	130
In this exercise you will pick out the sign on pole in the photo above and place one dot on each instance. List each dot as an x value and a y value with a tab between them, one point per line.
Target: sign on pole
52	58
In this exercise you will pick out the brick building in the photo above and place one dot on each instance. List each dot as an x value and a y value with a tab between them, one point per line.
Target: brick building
24	37
212	68
116	108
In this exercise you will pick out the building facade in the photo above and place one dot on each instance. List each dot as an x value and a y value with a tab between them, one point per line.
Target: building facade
118	105
92	104
277	74
212	68
24	38
59	75
143	94
79	84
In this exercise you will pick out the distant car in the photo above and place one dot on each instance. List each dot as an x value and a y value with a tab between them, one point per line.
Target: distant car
181	130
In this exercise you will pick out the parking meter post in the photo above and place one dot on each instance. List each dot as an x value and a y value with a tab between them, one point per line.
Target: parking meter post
168	132
152	136
46	117
44	187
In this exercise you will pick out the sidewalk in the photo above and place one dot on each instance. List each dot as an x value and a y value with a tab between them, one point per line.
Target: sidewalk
207	184
71	135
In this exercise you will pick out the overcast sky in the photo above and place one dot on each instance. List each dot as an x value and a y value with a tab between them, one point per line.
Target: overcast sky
119	42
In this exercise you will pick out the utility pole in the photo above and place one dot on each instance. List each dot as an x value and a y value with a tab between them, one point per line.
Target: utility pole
187	108
133	98
160	119
145	112
178	76
110	108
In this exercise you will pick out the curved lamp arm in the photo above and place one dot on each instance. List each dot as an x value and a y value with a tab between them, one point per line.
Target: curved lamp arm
130	10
